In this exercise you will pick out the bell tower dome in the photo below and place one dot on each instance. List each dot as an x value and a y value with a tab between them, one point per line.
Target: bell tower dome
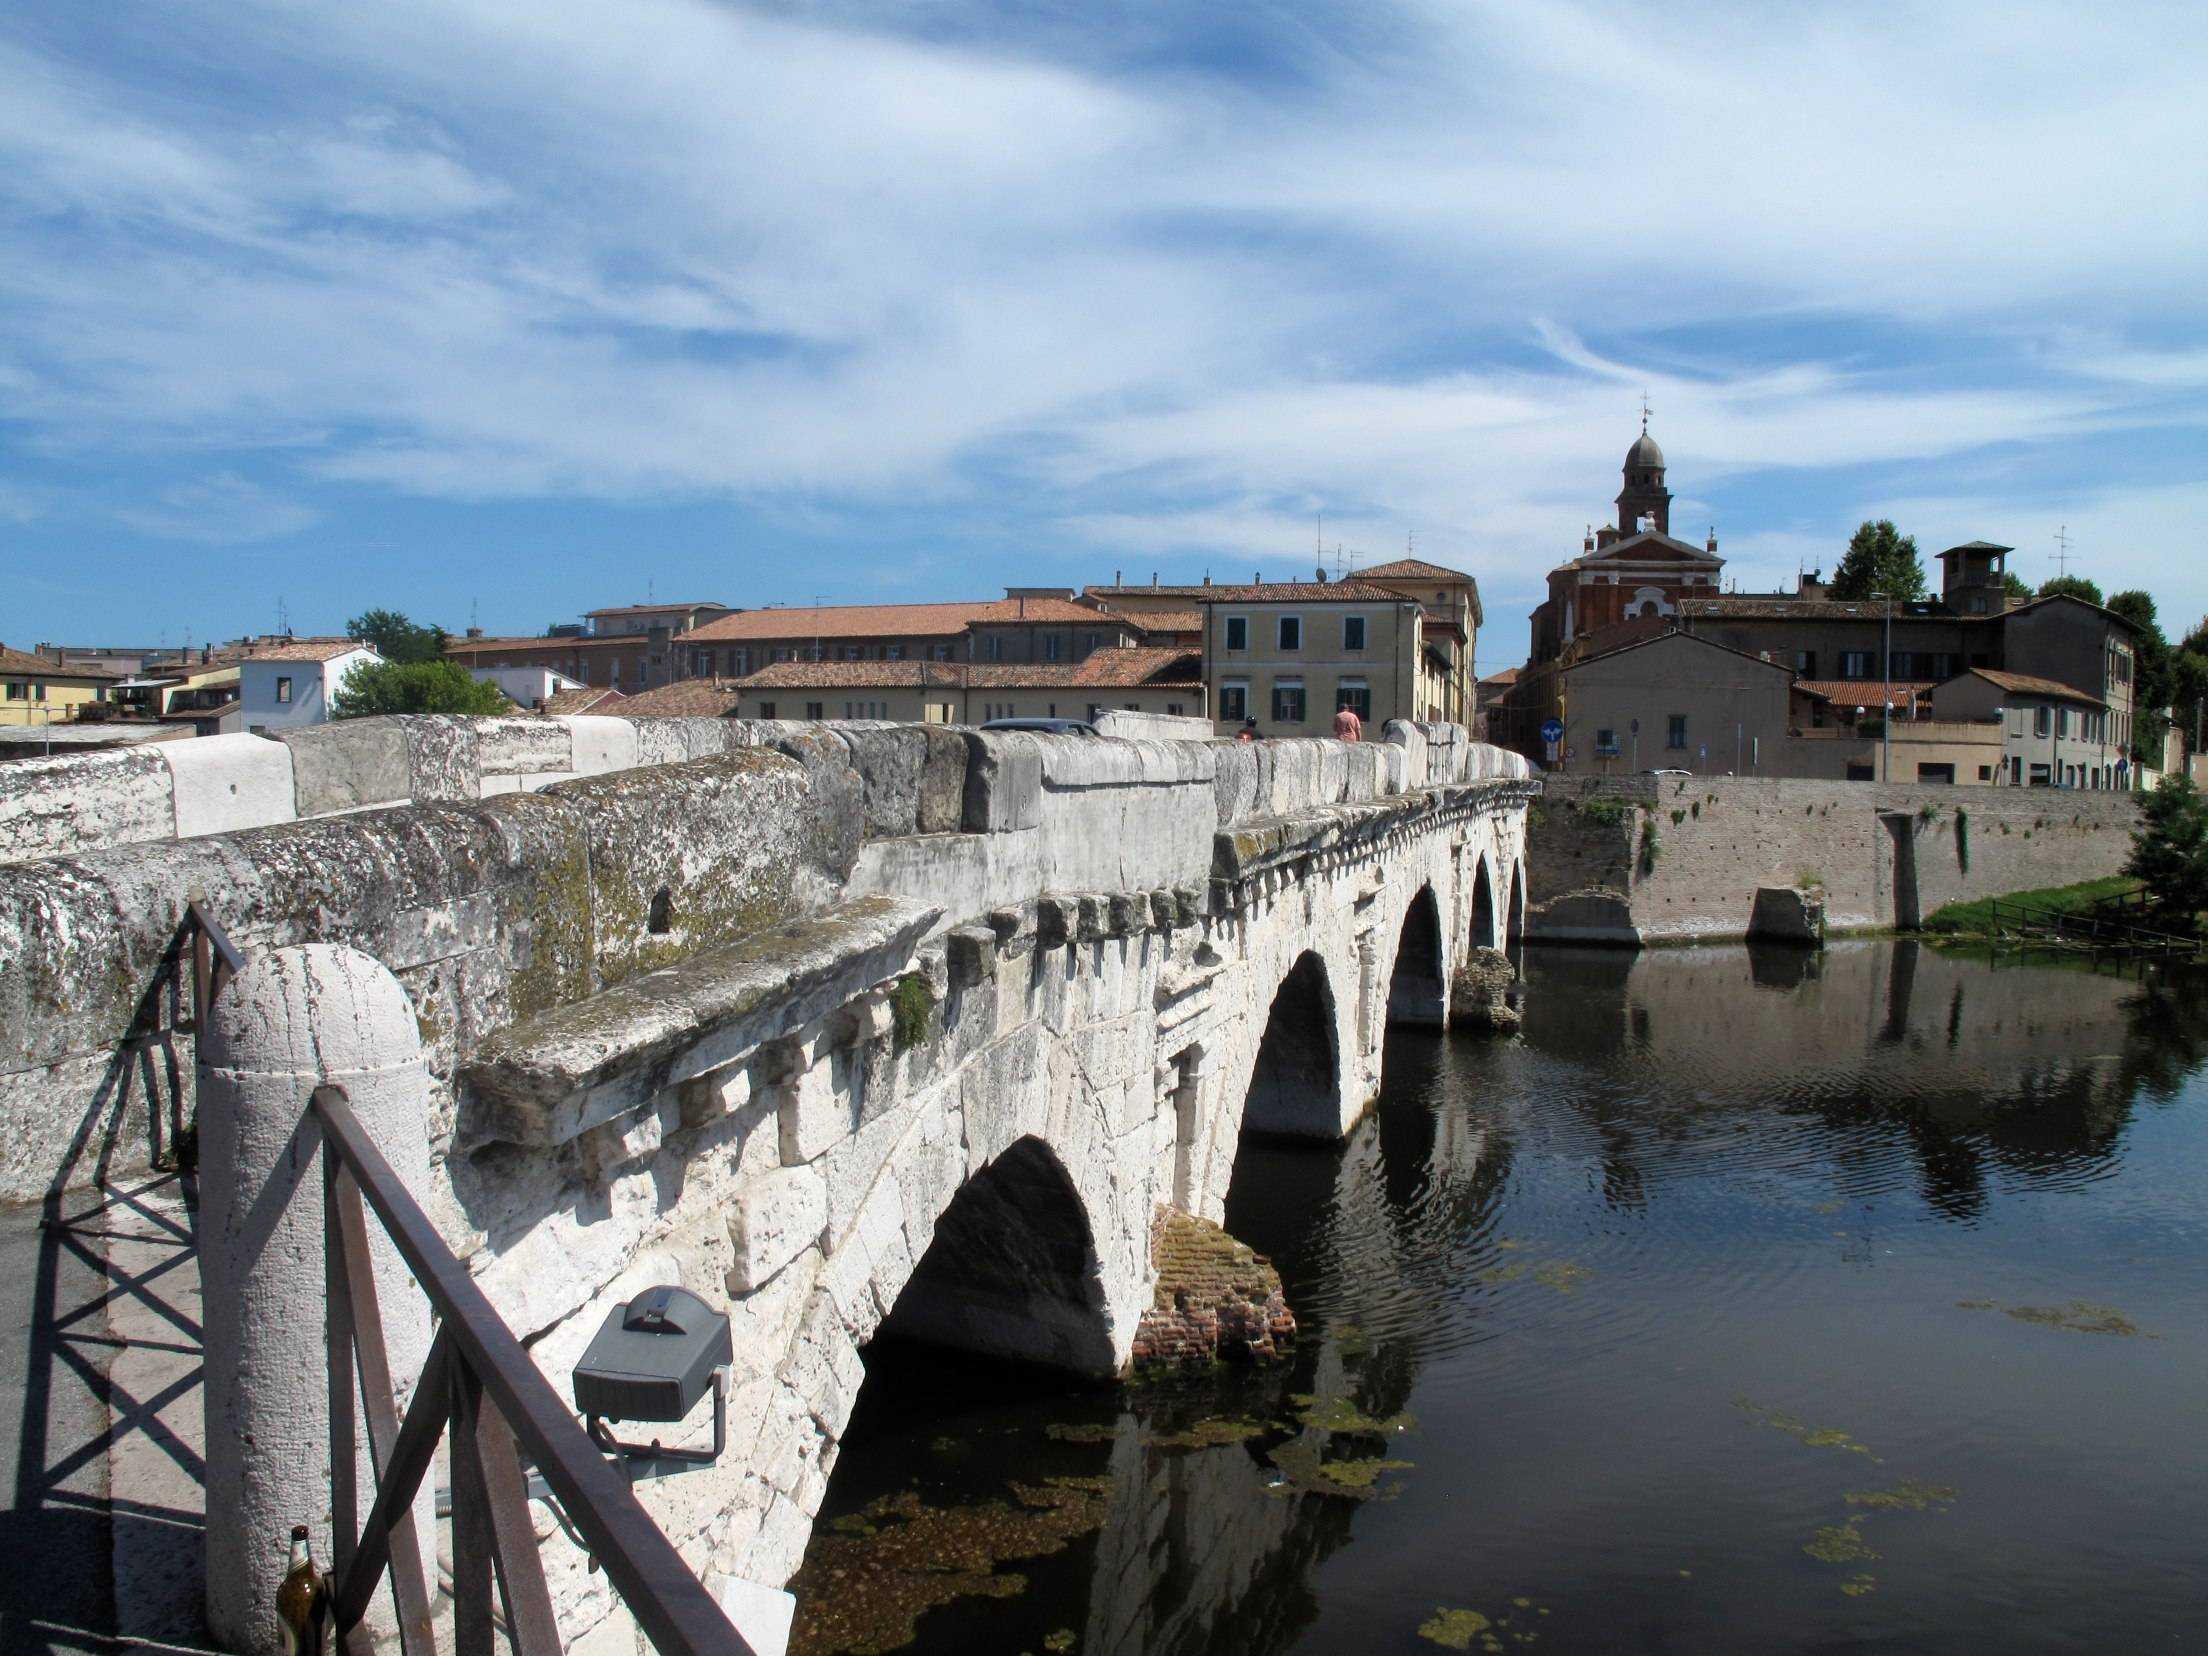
1644	494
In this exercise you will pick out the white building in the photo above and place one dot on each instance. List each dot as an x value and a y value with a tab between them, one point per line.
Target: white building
284	685
527	687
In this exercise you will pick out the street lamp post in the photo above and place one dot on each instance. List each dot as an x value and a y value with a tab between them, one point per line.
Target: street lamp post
1886	689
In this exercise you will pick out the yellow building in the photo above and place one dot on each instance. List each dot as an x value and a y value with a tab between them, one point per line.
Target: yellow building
35	691
1451	633
1291	654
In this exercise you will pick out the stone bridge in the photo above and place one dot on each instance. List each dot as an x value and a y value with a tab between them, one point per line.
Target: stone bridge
847	1028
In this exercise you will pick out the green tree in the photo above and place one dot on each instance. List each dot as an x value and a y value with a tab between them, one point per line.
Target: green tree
1880	559
2169	851
395	638
2018	589
2071	586
414	687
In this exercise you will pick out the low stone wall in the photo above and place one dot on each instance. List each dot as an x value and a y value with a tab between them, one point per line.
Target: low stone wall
1689	853
1127	723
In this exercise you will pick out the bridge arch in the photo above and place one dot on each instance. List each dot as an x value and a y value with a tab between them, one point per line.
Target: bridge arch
1012	1270
1418	987
1484	932
1296	1084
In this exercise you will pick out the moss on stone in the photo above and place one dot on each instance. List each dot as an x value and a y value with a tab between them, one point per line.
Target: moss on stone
911	1006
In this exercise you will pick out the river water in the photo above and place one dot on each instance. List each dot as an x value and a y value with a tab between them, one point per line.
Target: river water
1744	1302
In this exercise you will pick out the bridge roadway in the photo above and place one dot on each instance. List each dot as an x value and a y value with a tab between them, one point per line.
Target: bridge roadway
842	1027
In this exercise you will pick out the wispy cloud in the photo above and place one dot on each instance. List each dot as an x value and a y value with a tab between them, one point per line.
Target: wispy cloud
1146	281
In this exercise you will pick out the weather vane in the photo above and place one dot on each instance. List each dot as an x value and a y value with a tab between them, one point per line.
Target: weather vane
1645	412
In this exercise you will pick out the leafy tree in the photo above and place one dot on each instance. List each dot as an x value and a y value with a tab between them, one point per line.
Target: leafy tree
2169	851
414	687
395	638
2018	588
1880	559
2073	586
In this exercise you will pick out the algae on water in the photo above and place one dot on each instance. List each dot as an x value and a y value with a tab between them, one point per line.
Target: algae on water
1453	1629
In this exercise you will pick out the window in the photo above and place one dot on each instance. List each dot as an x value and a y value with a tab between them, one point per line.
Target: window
1355	695
1985	773
813	711
996	648
1172	708
1051	642
1855	664
2043	724
1860	772
2062	721
1234	703
1088	643
766	710
1606	743
1291	632
1936	773
893	652
701	663
1288	701
781	653
18	691
1675	735
1353	633
1805	663
283	691
2042	776
1238	632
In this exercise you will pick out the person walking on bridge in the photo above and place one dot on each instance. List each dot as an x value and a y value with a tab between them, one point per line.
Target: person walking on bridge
1348	727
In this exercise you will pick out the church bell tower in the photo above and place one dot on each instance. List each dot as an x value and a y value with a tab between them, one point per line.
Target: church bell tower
1644	494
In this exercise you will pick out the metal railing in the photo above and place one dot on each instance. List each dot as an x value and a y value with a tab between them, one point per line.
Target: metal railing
481	1386
2024	923
169	1008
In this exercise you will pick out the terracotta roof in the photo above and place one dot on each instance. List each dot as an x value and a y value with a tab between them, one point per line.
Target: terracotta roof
1302	592
1107	593
882	620
1161	621
15	661
1665	637
305	649
1866	692
1411	569
1119	668
1773	608
686	698
2027	684
654	609
591	698
1148	665
483	646
1509	675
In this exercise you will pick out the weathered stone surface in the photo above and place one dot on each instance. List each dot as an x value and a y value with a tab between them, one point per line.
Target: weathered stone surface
1788	914
441	760
223	783
1004	782
942	804
601	744
890	760
834	820
548	1078
1584	917
347	765
518	746
83	801
1234	780
973	954
1483	993
775	1216
1216	1298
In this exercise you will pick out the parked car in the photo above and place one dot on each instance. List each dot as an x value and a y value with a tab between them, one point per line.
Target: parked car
1666	771
1044	727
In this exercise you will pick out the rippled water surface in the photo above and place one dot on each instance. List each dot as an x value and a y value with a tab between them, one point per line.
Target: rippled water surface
1742	1303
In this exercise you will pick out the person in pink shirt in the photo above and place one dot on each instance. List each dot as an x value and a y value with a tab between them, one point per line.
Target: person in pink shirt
1348	727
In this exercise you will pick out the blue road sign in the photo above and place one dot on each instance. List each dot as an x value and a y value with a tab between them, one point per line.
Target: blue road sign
1552	730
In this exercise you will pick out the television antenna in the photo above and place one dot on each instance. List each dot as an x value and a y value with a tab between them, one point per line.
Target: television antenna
2062	550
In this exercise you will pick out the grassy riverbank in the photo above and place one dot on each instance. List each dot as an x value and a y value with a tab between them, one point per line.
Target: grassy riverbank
1977	916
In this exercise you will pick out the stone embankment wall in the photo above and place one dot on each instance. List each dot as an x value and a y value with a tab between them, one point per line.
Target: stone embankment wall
832	1025
1687	854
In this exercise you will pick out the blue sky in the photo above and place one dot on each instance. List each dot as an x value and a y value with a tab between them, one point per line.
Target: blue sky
511	308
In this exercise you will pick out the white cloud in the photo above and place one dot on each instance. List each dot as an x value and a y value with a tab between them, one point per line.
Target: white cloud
224	509
635	249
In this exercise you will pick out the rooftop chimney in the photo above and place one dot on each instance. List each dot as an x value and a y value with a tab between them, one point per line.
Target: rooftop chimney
1588	544
1119	577
475	632
1153	578
1712	543
1207	577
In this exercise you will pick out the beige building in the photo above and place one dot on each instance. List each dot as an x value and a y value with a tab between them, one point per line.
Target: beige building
637	620
36	691
1674	702
1290	654
2050	734
1451	631
1141	680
